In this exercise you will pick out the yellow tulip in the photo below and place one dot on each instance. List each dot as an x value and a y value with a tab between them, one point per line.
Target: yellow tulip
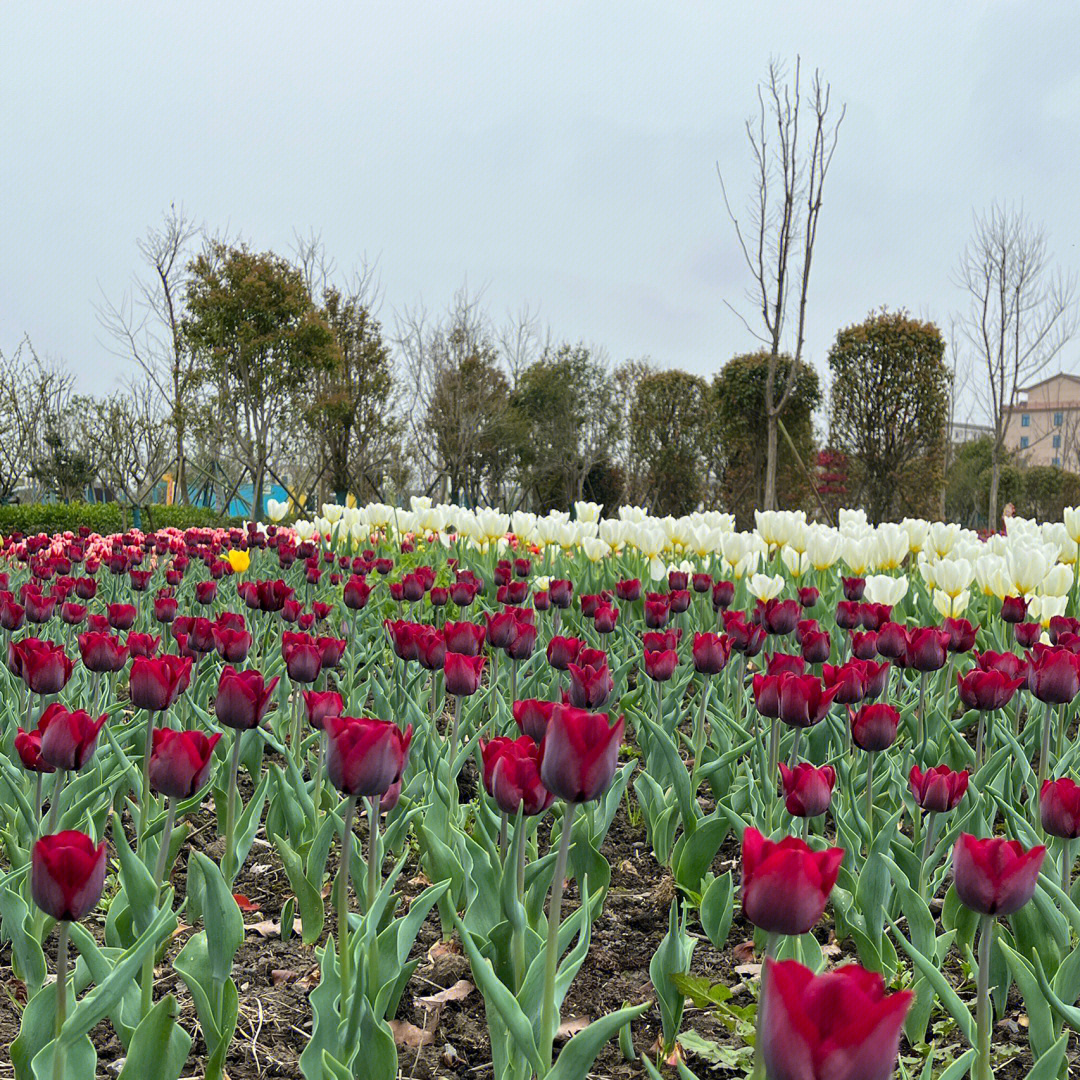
238	560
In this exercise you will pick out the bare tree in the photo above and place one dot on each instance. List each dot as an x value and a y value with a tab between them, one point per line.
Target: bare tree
1020	314
131	429
778	243
145	326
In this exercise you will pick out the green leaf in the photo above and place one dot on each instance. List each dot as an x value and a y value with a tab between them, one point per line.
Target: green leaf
139	888
698	851
1048	1067
577	1056
309	897
717	909
224	925
1041	1031
159	1047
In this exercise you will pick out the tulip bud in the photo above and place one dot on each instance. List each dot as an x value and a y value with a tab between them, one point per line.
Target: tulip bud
807	789
995	876
939	789
579	753
180	761
1059	808
67	875
365	756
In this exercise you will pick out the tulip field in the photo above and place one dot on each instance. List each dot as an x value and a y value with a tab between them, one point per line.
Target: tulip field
439	792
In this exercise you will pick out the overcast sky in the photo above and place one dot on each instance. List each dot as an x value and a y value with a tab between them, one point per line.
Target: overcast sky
559	154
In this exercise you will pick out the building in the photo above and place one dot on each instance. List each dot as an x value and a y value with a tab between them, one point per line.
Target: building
963	432
1044	424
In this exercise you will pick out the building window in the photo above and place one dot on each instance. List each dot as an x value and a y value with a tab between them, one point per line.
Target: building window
1057	419
1057	442
1023	442
1025	420
1057	463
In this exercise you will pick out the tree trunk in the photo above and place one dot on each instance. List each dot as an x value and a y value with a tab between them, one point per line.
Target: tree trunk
995	480
258	479
769	500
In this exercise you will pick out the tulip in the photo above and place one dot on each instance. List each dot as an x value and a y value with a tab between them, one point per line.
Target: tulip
590	686
121	616
68	739
786	886
864	646
660	664
206	592
1026	634
321	704
606	619
512	776
873	727
779	616
892	641
809	596
72	614
993	877
521	645
464	637
1009	664
1014	609
11	615
303	658
579	753
807	788
67	875
561	592
723	593
848	615
143	644
165	608
365	756
501	629
462	673
702	583
711	653
873	617
39	609
180	762
563	651
532	717
242	698
28	747
655	640
102	652
767	695
332	649
1054	675
939	789
961	634
356	593
657	613
155	684
854	587
42	665
629	589
837	1026
848	679
803	700
745	638
927	648
779	663
816	646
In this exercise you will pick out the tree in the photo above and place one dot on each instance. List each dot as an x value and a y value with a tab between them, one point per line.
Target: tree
739	453
1020	314
147	327
252	323
778	245
63	459
890	411
967	483
568	423
135	443
668	432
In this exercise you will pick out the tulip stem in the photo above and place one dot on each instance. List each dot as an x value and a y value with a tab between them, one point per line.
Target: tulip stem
699	734
59	1053
1066	865
343	900
144	795
502	836
931	821
37	799
374	877
1063	723
316	791
228	862
922	719
454	731
519	931
793	760
549	1017
1044	753
159	874
54	801
870	793
772	765
983	1019
772	945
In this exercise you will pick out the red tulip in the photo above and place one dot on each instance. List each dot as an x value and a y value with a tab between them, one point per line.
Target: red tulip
42	665
864	646
779	663
854	587
807	788
803	700
67	875
563	651
1013	609
28	747
365	756
303	660
1059	808
1026	634
606	619
155	684
533	717
11	615
121	616
462	673
961	634
143	644
321	704
815	646
579	753
657	613
561	592
873	617
767	695
39	609
837	1026
165	608
986	690
892	641
711	653
849	681
1053	675
873	727
1008	663
332	649
809	596
102	652
927	648
628	589
995	876
68	739
679	600
702	583
656	640
590	686
180	761
72	614
723	592
660	664
242	697
848	614
939	789
512	775
206	592
464	637
521	645
785	886
745	637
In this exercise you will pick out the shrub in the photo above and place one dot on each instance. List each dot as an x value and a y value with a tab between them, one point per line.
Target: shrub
104	518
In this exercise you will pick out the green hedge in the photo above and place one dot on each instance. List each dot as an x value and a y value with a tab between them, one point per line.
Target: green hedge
102	518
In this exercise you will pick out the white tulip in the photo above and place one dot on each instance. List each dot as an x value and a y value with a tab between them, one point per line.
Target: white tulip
823	546
941	537
1071	520
951	607
275	510
797	562
765	586
304	529
1058	581
884	589
587	511
857	554
1044	608
634	514
891	546
953	576
1027	566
